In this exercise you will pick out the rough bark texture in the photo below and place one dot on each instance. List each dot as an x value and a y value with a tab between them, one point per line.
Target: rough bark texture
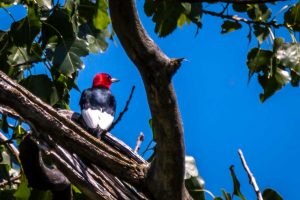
46	121
166	176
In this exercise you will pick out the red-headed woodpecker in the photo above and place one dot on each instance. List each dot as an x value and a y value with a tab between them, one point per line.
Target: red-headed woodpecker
98	105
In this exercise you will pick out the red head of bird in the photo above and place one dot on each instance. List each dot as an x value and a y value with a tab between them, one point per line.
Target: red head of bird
103	79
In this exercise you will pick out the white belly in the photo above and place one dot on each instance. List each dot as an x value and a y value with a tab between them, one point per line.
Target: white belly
95	118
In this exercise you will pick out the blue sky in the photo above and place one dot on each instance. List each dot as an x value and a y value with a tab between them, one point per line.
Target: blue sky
221	112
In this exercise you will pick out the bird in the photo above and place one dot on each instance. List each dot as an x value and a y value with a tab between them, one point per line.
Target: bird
98	104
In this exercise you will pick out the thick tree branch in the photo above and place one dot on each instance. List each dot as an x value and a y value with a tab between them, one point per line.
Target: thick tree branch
165	179
64	132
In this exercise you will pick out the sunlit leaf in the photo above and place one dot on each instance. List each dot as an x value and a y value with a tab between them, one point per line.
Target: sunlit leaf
193	182
7	3
23	192
101	19
96	39
66	55
288	55
259	12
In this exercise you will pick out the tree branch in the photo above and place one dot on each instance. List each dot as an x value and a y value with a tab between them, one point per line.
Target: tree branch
139	141
250	176
166	175
232	1
46	121
240	19
123	111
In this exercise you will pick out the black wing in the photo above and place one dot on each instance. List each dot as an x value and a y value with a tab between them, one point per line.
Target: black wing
98	98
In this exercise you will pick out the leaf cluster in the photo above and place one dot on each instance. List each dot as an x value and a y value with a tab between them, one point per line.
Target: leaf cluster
53	37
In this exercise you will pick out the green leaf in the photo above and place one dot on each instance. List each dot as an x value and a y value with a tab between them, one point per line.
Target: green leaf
270	194
101	19
25	31
261	33
193	182
53	32
40	195
7	3
292	17
218	198
66	55
236	184
168	15
23	192
45	4
288	55
195	14
258	59
278	42
226	195
295	78
259	12
153	132
240	7
96	39
42	87
229	26
273	83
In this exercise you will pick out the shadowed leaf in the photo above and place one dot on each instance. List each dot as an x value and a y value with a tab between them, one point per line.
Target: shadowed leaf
270	194
236	184
229	26
292	17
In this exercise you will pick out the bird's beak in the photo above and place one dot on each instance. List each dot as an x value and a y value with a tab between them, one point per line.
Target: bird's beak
113	80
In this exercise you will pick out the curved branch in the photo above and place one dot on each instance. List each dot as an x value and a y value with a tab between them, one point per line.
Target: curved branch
165	179
47	121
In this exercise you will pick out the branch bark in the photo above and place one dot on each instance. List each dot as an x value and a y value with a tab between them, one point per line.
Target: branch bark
47	121
166	175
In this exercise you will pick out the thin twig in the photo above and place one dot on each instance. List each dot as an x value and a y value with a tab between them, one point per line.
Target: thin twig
206	191
124	110
139	141
11	16
250	176
233	1
147	148
30	62
240	19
